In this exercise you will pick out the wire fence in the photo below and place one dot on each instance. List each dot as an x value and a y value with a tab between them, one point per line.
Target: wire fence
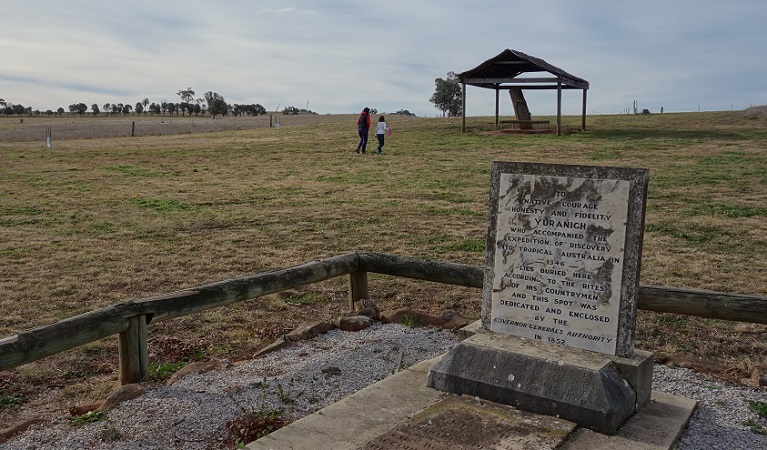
56	128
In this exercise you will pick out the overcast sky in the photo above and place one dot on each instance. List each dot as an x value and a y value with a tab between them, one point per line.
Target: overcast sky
339	56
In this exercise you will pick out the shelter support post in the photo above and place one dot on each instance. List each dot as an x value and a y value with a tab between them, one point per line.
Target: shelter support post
583	112
463	107
559	108
497	107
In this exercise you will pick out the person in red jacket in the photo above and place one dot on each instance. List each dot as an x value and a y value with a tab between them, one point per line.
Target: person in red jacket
363	126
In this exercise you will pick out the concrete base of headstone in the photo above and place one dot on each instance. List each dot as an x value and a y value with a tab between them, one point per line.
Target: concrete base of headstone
637	370
577	385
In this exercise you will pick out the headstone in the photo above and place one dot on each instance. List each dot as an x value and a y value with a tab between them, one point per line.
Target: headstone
563	254
560	297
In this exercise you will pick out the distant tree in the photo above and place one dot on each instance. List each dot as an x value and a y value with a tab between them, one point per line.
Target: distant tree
155	109
127	109
95	109
48	112
187	95
19	110
107	108
78	108
199	106
145	103
2	103
139	108
447	95
171	107
60	110
290	110
404	112
216	103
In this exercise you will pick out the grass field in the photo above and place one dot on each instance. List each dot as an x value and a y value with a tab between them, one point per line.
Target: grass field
93	222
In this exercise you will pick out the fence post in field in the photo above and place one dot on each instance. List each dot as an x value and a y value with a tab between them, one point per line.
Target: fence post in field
358	287
134	357
132	129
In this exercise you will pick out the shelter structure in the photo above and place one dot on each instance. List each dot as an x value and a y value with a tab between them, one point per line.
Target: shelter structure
507	71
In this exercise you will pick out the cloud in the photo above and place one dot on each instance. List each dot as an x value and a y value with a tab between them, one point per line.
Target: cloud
340	54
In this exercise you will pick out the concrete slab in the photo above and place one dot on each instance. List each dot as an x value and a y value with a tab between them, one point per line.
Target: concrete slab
401	405
657	426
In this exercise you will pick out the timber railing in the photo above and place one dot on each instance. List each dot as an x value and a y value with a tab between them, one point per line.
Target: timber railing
129	320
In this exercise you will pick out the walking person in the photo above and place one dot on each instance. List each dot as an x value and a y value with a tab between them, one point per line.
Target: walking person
381	130
363	127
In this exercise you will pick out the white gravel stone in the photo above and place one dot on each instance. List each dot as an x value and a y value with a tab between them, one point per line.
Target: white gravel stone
309	375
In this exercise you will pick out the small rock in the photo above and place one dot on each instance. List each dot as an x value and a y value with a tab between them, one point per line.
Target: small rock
429	320
308	330
276	345
759	376
397	315
402	315
456	321
371	312
20	427
79	410
194	367
122	394
354	323
364	303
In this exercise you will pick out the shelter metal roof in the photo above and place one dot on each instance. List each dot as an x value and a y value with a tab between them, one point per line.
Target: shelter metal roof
504	70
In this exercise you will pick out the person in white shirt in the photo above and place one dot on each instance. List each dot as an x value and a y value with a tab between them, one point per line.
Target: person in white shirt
381	130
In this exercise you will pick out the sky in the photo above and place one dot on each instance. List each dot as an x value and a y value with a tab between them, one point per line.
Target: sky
339	56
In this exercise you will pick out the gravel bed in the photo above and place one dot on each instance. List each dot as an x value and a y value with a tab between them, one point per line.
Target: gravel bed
309	375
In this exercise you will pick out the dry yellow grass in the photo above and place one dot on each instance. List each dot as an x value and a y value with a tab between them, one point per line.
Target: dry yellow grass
93	222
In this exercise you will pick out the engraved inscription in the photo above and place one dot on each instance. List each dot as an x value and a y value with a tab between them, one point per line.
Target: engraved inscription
559	259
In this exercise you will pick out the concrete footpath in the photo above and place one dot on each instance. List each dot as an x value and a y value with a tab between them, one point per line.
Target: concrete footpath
401	412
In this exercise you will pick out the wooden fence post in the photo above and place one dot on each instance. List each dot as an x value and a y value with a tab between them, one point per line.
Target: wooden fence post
358	287
134	357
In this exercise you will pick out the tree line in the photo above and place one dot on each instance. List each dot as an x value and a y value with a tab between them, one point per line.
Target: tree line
211	103
446	98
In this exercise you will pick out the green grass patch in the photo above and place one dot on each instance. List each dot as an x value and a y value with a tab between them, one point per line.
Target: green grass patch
136	171
759	407
722	209
89	417
162	372
694	234
469	245
754	427
307	298
162	204
7	399
411	321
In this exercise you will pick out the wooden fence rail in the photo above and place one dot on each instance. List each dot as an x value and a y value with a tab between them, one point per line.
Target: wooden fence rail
129	320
